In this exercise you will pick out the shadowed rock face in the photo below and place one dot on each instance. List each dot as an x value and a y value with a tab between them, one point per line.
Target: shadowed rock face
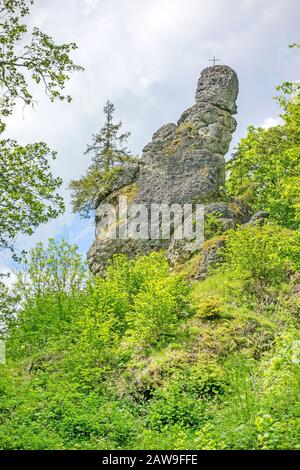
184	162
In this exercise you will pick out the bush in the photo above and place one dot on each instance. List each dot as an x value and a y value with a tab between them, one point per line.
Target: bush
256	254
140	298
133	360
213	225
157	311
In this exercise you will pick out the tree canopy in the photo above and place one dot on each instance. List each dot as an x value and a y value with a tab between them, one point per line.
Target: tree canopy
265	169
29	56
28	189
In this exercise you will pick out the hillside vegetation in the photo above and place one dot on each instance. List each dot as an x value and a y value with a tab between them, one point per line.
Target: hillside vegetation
146	359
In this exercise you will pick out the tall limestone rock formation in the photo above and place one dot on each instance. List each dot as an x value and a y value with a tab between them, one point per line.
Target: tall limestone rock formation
184	162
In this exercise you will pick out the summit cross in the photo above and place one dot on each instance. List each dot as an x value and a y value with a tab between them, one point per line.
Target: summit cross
214	60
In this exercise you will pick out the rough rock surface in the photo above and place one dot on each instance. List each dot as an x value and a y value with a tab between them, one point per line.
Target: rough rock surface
184	162
211	253
259	218
230	216
210	256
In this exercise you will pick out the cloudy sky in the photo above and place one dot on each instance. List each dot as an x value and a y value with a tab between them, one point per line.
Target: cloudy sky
146	56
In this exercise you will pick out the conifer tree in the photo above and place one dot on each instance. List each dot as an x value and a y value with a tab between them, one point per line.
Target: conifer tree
109	155
108	145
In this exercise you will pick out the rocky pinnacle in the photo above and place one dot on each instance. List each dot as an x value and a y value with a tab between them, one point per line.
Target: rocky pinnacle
183	163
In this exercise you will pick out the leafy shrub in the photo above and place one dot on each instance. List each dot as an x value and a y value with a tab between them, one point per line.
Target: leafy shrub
186	398
210	308
213	225
138	297
255	253
264	171
49	294
174	406
130	360
157	310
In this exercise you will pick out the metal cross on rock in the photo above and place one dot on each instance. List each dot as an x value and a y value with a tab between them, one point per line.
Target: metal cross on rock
214	60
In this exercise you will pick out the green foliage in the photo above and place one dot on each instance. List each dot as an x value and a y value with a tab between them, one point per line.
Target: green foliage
67	340
259	254
278	425
142	360
264	171
28	189
138	298
174	406
213	225
157	310
210	308
184	401
56	268
88	188
29	194
109	155
39	59
49	293
291	250
108	145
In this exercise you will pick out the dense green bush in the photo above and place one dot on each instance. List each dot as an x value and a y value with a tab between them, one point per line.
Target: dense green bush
142	359
261	254
264	170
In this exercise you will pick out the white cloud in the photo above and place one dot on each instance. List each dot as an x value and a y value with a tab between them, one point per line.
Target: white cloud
9	277
271	122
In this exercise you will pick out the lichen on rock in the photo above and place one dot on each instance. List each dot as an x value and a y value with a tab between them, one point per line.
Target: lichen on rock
183	164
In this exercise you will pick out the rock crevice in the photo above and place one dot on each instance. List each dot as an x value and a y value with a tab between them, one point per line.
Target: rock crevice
183	163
